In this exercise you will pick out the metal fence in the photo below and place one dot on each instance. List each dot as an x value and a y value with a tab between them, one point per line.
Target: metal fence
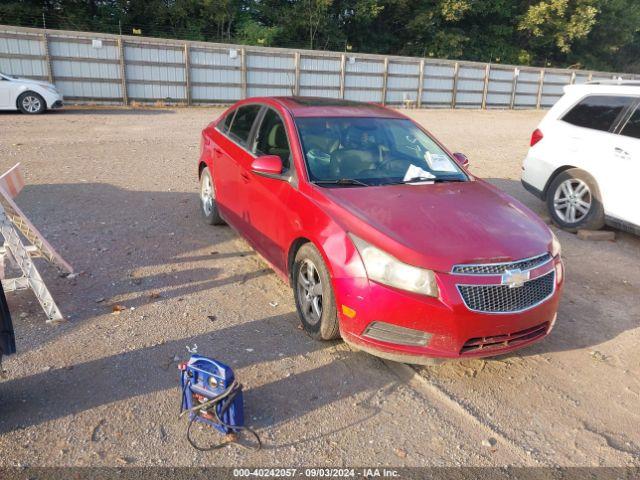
94	67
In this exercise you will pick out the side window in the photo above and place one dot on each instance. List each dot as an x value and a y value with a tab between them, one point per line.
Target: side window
632	128
272	138
224	125
597	112
242	123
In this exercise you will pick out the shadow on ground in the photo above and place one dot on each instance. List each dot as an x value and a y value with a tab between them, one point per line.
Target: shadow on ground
121	243
72	390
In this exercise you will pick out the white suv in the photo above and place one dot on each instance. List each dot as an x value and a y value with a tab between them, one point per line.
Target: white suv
584	160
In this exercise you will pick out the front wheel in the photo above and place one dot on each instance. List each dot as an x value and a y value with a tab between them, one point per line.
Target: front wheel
313	293
208	204
31	103
574	202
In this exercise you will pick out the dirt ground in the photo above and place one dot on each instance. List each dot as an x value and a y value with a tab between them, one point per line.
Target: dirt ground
115	191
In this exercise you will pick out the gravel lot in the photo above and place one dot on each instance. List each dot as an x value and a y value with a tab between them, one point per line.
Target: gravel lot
115	190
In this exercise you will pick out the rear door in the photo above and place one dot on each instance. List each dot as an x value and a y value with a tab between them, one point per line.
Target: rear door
626	151
589	141
270	209
231	156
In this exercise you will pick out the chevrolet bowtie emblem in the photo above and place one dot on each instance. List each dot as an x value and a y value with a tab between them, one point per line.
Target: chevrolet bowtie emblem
515	278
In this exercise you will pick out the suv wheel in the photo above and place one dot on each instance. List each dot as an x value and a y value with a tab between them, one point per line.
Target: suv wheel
574	201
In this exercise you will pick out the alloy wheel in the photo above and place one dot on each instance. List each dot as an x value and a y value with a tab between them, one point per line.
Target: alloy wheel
572	200
310	292
31	104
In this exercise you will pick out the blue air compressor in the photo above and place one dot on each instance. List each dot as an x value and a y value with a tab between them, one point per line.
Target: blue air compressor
212	395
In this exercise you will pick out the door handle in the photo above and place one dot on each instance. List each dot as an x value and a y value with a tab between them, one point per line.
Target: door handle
217	150
245	177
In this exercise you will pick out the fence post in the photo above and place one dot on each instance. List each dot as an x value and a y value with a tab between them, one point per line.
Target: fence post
385	77
573	78
420	84
514	87
540	86
343	62
296	79
187	72
485	89
243	71
590	77
123	73
47	57
454	91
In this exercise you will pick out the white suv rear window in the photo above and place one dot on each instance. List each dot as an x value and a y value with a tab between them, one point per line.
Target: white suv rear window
598	112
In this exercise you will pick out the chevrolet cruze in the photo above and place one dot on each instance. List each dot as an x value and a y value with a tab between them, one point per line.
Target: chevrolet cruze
385	237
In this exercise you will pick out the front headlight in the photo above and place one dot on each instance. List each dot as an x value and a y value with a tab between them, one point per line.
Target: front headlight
383	268
556	248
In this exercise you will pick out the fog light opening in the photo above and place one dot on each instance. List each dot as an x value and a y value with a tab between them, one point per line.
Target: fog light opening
387	332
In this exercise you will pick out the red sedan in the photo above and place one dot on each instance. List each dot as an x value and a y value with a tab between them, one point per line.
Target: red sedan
385	237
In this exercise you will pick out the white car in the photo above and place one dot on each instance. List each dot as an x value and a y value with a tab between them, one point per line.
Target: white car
584	160
28	96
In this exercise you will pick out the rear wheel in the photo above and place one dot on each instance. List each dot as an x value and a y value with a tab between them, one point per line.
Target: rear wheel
31	103
574	202
208	204
313	293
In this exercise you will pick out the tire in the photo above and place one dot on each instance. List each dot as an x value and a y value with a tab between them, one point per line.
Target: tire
31	103
208	205
574	201
310	265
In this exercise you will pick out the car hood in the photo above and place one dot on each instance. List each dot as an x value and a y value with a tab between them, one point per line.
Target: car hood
29	81
443	224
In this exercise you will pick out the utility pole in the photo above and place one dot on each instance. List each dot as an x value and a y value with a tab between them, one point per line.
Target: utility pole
44	21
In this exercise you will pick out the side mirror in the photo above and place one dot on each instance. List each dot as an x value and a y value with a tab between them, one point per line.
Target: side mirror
267	165
462	159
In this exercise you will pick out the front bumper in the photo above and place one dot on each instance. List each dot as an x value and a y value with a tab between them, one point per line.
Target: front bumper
454	330
54	100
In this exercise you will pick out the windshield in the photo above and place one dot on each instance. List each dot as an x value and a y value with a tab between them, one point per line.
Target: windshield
372	151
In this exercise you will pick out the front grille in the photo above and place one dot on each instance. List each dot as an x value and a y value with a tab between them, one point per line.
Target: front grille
505	299
500	268
498	342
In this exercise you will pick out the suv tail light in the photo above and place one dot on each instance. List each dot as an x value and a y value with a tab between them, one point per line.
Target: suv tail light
536	136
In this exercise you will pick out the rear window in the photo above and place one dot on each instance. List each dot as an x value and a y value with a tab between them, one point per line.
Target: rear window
242	123
597	112
632	128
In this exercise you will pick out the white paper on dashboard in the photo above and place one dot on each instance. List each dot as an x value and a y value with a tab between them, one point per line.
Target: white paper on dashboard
439	163
416	172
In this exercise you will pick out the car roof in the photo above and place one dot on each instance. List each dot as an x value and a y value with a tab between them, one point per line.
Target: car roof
613	88
333	107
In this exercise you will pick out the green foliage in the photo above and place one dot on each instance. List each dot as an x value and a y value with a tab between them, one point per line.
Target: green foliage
593	34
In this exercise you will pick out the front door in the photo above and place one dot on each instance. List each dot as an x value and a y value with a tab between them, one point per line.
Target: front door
6	93
268	211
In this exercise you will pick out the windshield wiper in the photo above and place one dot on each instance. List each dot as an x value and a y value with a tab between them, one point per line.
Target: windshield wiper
425	179
341	181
